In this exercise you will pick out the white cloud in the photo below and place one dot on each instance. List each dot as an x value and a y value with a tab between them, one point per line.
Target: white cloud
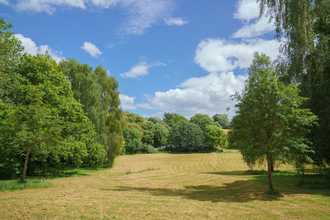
141	13
30	47
47	6
175	21
127	102
247	10
207	95
218	55
91	49
4	2
260	27
140	69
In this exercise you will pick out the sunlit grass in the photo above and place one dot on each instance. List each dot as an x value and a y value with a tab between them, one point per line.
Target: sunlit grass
174	186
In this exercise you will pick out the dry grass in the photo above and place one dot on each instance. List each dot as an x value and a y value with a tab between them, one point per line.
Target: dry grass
175	186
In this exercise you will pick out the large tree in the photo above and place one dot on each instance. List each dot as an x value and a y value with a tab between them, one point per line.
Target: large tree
186	137
202	120
270	125
172	118
305	59
222	120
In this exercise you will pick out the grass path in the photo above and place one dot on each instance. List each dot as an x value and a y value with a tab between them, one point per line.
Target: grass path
173	186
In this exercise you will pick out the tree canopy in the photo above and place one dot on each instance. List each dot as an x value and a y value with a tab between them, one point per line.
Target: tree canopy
270	125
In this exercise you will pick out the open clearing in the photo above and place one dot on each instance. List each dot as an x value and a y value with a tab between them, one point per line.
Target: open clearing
175	186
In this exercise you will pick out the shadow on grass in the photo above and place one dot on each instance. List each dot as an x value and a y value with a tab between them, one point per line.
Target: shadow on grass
252	188
239	192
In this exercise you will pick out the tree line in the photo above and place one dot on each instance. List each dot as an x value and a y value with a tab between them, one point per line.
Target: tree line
66	113
174	132
69	114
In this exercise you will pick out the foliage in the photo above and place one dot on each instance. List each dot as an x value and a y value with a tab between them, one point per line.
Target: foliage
148	137
112	136
186	137
132	138
222	119
136	119
160	135
306	60
269	124
215	137
149	149
202	121
39	90
172	118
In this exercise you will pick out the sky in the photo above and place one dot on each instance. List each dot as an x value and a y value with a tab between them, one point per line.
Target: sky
181	56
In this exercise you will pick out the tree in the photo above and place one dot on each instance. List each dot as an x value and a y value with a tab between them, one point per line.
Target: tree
132	138
269	124
160	135
305	59
31	128
202	120
112	135
55	100
222	119
186	137
172	118
215	137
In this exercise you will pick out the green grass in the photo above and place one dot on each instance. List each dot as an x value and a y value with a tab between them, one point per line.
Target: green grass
29	184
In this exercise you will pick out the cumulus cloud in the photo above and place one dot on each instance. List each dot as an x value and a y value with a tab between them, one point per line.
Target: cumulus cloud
219	55
127	102
30	47
91	49
175	21
207	95
248	10
260	27
140	69
141	13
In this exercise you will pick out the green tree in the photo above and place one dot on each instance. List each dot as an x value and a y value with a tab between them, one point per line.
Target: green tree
202	121
132	138
172	118
31	127
112	136
270	125
215	137
305	59
160	135
186	137
222	119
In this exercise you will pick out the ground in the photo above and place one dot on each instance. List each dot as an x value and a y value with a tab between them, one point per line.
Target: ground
169	186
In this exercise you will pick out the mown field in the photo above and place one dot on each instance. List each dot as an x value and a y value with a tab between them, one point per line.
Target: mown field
169	186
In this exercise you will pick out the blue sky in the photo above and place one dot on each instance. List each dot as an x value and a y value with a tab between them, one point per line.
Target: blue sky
182	56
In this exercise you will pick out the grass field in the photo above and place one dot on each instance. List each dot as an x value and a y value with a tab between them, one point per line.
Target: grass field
169	186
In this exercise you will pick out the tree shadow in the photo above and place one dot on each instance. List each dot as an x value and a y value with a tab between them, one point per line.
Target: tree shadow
240	191
251	188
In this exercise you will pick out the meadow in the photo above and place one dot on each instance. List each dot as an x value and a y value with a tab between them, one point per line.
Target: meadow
170	186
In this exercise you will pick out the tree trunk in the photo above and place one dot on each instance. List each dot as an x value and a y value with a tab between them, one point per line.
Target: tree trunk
269	165
25	164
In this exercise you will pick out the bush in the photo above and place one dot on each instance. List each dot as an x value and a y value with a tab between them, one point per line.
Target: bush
146	148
